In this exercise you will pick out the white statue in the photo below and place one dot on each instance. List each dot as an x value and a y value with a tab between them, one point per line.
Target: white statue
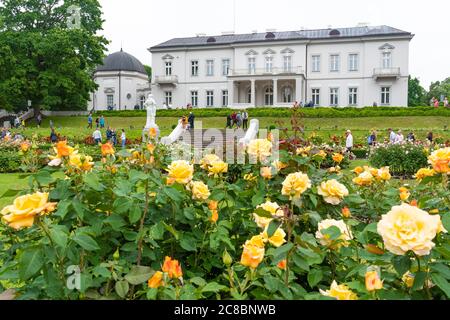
150	105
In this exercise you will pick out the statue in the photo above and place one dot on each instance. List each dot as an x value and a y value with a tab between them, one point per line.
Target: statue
150	106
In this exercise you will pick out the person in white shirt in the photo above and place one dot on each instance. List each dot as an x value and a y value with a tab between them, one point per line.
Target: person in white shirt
97	135
392	136
349	141
123	138
400	138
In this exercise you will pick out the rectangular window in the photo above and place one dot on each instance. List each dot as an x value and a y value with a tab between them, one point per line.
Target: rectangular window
385	95
316	97
353	96
168	68
252	65
387	60
225	67
269	64
168	95
209	98
209	67
353	62
224	98
194	99
334	63
334	96
287	63
110	100
316	63
194	68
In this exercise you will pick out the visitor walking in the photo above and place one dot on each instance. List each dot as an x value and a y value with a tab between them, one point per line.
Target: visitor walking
446	102
245	120
229	121
392	136
102	122
123	138
97	122
17	122
114	136
411	138
97	135
90	121
233	119
239	120
349	141
436	103
430	137
53	136
51	124
432	102
191	120
39	120
108	134
372	140
400	138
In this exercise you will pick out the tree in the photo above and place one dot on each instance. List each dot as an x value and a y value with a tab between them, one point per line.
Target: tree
149	72
49	52
438	89
416	93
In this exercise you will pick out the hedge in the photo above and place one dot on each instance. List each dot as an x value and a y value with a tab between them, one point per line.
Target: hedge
286	112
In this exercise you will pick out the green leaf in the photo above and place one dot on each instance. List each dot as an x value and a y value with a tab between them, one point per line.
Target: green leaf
188	243
122	205
273	227
300	262
213	287
446	221
401	264
171	230
59	235
263	213
123	188
138	275
135	214
122	288
136	176
283	250
257	199
63	208
314	277
30	262
115	221
419	280
44	177
123	153
152	293
441	283
11	193
173	194
332	233
442	269
86	242
92	181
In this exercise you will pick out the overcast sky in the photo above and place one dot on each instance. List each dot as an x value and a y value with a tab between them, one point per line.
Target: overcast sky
140	24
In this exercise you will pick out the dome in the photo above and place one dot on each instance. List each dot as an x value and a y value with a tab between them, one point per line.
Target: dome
121	61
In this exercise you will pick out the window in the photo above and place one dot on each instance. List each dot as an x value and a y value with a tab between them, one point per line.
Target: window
268	96
385	95
334	63
252	65
209	98
194	68
194	99
353	96
287	94
334	96
287	63
387	60
224	98
315	63
168	68
269	64
353	62
225	67
209	67
316	97
168	95
110	100
249	95
142	102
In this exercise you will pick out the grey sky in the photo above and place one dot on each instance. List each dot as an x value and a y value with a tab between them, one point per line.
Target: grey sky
140	24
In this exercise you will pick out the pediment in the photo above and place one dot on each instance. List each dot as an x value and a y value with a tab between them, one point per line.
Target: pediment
269	51
167	57
251	53
387	46
287	50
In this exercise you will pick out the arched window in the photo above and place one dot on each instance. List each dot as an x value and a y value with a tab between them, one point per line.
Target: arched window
287	94
249	95
268	96
142	102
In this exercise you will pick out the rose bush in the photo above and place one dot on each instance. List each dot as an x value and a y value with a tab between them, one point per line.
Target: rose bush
138	224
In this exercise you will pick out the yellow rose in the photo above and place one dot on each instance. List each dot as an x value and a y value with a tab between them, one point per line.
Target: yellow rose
345	236
180	171
278	165
408	228
423	173
404	193
277	239
332	191
346	213
24	209
25	146
364	179
260	149
249	177
440	160
408	279
340	292
338	157
252	254
200	191
373	282
383	174
266	173
321	154
156	281
295	184
358	170
217	167
81	162
63	150
271	207
206	161
303	151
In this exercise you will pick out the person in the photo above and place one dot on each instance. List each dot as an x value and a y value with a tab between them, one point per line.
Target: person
375	104
430	137
123	138
296	105
432	102
108	134
245	120
90	121
436	103
191	120
39	120
239	120
102	122
446	102
23	123
411	138
51	124
392	136
97	135
228	121
97	122
17	122
53	136
114	136
349	141
233	119
372	140
400	138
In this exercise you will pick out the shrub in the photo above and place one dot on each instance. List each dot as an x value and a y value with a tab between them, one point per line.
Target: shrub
360	153
10	161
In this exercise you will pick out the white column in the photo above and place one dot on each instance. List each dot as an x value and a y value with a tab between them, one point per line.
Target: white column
298	89
230	93
275	92
253	101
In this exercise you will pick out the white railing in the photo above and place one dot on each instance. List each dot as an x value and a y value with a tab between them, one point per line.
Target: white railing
166	79
264	71
386	72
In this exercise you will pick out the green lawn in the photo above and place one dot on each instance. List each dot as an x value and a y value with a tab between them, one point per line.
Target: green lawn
10	181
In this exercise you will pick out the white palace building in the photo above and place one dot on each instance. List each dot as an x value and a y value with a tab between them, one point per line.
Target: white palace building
358	66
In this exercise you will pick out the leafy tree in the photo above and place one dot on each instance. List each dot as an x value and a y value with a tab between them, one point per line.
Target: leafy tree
149	72
416	93
48	54
438	89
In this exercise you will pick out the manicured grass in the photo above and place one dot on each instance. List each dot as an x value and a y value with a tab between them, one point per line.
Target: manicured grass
10	181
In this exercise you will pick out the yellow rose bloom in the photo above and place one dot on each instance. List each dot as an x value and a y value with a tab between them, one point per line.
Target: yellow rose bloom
383	174
423	173
404	193
345	236
373	282
271	207
63	150
249	177
278	165
107	148
321	154
156	280
180	171
25	146
260	149
200	191
296	184
346	213
304	152
258	241
266	173
408	228
358	170
339	292
24	209
207	160
217	167
81	162
364	179
277	239
408	279
332	191
440	160
252	255
338	157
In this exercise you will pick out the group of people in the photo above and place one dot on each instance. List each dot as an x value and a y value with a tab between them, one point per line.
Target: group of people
435	102
111	133
99	122
238	119
188	122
